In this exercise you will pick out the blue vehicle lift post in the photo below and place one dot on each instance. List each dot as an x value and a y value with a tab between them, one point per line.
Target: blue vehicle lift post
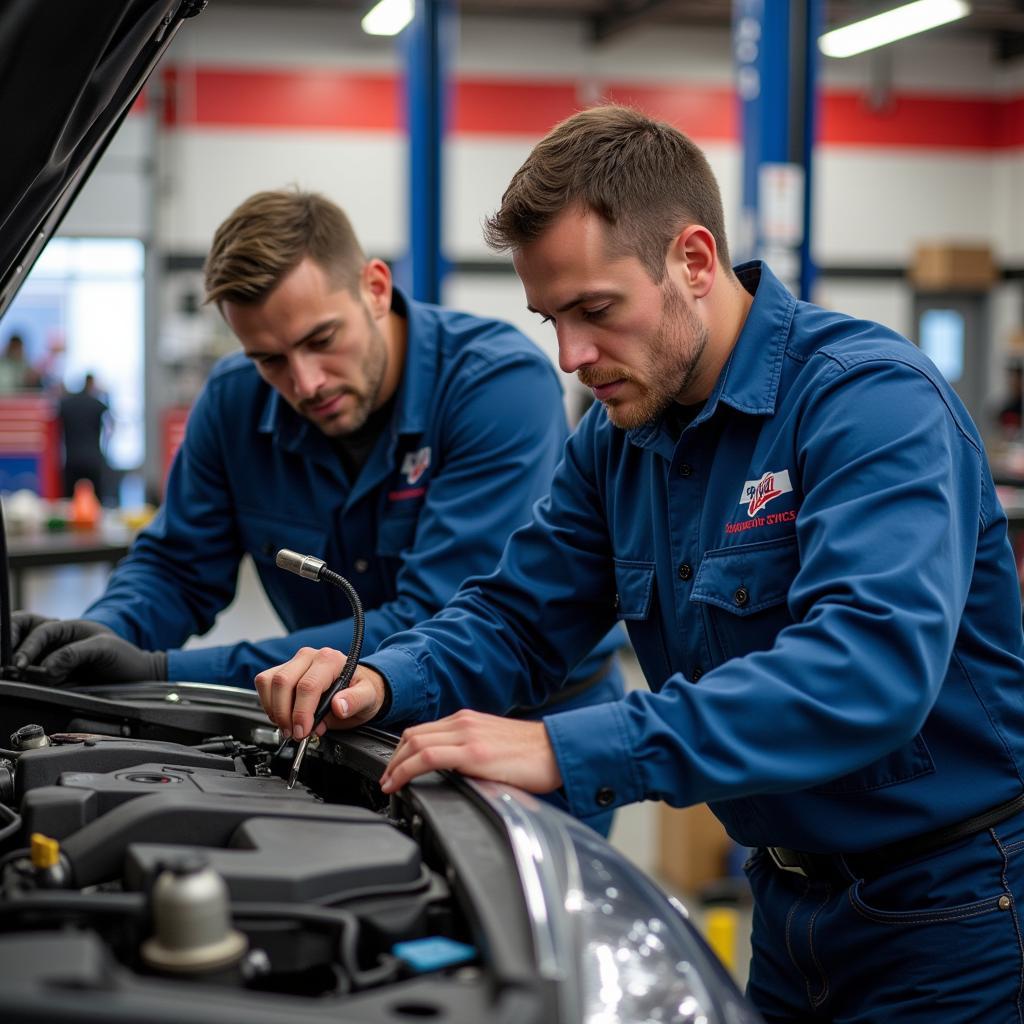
427	48
775	46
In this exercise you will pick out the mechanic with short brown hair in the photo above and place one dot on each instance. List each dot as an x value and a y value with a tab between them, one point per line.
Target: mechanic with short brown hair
792	512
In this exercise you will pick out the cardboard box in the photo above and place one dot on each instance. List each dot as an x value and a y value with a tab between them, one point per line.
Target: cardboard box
953	267
693	848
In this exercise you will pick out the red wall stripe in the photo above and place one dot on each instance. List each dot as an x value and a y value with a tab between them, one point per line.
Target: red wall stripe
337	101
705	112
211	97
1011	122
511	108
940	122
310	99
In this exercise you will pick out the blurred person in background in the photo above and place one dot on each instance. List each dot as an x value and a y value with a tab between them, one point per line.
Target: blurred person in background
15	372
83	419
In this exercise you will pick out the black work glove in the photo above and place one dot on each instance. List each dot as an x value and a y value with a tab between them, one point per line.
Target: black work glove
35	636
104	658
84	651
22	623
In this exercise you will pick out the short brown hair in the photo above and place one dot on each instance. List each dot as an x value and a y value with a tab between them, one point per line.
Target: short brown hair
643	177
269	235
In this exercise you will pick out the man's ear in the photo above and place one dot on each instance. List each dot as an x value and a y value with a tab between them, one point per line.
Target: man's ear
693	260
376	285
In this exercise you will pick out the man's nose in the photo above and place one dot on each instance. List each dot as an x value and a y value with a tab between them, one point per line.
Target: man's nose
307	376
575	349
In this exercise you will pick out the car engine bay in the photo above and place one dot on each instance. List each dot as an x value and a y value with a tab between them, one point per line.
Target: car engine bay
154	866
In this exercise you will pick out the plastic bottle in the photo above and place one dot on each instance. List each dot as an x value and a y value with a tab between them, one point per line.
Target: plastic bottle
84	513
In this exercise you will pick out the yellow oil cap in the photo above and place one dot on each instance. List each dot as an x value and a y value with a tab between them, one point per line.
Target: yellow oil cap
45	851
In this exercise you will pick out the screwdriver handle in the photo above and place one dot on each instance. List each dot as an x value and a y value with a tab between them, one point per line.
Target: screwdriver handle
339	684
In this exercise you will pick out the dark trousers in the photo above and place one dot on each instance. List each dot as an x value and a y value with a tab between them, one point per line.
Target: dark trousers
87	469
938	939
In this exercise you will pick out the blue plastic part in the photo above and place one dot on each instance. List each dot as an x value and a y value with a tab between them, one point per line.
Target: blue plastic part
433	954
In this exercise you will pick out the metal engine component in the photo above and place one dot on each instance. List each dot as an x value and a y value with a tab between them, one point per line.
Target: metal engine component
29	737
192	919
6	782
173	879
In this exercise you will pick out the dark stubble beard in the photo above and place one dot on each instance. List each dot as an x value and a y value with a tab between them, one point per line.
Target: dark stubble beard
374	367
669	366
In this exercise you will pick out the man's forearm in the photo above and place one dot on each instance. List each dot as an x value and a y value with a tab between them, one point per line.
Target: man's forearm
238	664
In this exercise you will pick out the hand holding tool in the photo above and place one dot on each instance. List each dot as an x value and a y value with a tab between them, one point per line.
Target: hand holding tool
312	568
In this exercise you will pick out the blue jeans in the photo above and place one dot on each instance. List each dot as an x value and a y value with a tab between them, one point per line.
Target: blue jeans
936	940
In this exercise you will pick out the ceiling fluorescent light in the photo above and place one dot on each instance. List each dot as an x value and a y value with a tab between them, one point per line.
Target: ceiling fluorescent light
885	28
388	18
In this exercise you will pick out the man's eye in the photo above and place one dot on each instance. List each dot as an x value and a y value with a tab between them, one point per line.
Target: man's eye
547	319
269	362
319	343
595	314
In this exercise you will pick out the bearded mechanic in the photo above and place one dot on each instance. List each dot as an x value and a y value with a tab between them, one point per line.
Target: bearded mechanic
793	513
399	441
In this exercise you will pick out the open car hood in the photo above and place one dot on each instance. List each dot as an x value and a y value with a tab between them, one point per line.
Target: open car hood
69	73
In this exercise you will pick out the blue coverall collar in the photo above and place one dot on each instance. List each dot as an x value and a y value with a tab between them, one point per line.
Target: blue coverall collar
295	433
749	381
419	377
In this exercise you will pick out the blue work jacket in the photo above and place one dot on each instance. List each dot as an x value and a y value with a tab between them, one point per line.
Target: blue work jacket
816	579
477	429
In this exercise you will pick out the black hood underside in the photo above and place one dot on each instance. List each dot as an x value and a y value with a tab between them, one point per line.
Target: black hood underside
69	72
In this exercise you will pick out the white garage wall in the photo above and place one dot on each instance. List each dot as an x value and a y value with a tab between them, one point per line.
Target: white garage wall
872	207
208	172
873	203
117	198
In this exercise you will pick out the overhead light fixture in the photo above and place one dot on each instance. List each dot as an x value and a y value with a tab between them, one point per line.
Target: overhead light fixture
388	18
889	26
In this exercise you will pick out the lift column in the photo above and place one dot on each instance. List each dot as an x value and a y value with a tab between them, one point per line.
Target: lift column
427	45
775	44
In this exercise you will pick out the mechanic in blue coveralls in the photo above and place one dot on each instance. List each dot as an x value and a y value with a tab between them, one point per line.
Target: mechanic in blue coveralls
792	512
400	442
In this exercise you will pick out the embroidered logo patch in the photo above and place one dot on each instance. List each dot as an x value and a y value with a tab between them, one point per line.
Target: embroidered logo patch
415	464
757	493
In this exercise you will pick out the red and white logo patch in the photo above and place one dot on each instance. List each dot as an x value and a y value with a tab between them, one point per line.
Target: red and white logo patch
757	493
415	464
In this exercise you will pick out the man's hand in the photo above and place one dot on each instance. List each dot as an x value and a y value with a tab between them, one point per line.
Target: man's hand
35	636
23	623
290	693
77	650
483	746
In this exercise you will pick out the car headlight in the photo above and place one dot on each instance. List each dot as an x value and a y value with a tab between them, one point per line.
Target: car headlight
636	957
